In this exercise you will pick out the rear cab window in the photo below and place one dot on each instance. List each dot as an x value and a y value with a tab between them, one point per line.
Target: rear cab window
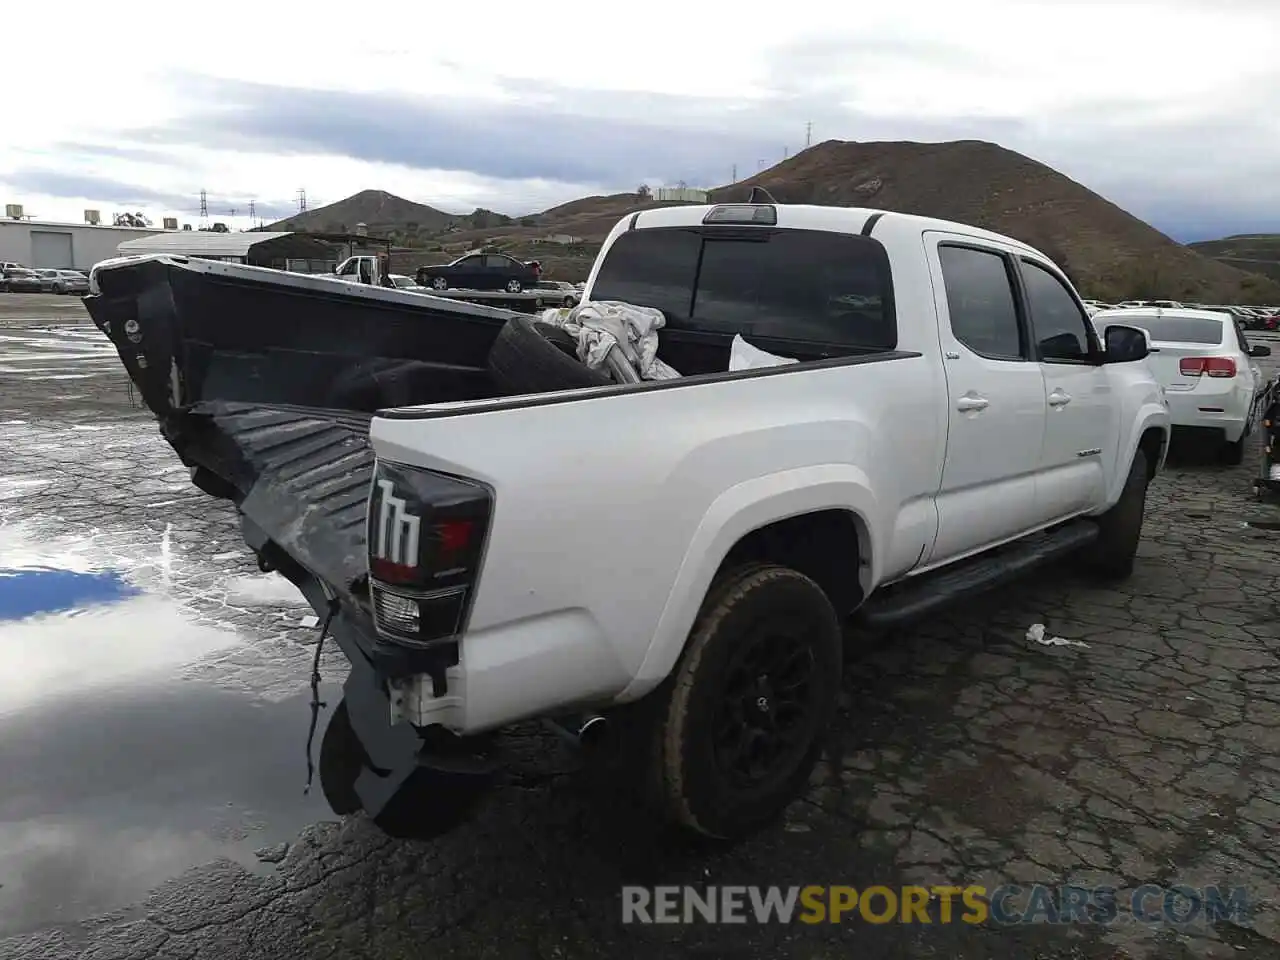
1180	329
769	285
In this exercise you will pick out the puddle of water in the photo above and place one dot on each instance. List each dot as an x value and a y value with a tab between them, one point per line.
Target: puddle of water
108	796
118	774
36	590
67	630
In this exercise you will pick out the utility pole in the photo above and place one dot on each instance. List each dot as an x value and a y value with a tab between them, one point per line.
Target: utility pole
808	134
233	213
302	199
785	153
734	178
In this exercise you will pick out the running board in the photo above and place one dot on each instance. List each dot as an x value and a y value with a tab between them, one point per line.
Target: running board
919	596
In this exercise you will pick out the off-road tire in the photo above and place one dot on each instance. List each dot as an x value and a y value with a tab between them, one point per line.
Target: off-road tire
684	776
530	356
1111	556
1232	454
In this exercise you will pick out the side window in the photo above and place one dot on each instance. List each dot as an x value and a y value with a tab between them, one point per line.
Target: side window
984	314
471	262
347	269
651	268
498	262
1062	332
1240	338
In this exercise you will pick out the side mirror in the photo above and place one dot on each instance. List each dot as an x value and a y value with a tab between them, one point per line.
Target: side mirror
1259	351
1126	344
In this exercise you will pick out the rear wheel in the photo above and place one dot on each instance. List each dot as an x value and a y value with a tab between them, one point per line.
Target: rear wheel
1232	452
439	283
739	725
1111	556
514	286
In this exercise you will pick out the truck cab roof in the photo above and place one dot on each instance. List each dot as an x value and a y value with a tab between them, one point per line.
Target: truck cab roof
812	217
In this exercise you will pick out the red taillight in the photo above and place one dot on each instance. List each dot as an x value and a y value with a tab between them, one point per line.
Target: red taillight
426	533
454	535
1211	366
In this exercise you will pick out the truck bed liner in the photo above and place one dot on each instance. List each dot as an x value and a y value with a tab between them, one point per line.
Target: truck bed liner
301	475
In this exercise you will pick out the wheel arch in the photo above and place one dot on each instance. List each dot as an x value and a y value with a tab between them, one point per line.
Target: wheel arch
804	518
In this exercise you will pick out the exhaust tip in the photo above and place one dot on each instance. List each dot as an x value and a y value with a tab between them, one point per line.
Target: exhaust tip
593	730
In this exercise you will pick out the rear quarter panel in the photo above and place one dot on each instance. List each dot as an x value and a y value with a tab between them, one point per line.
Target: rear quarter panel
615	512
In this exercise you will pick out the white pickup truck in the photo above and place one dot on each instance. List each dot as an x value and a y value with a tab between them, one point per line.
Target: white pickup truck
676	557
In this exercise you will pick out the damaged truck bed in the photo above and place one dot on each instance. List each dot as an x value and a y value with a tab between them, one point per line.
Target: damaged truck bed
300	477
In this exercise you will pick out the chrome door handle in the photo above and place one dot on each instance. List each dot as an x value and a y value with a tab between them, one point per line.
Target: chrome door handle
1059	399
971	402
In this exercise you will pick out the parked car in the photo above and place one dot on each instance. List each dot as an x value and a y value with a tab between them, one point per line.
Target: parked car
64	281
22	280
1205	365
569	295
962	423
482	271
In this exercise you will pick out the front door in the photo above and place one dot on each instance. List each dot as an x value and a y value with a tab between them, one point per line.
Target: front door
1081	428
469	273
995	395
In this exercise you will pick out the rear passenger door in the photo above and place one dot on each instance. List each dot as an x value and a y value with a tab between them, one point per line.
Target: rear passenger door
995	396
1080	433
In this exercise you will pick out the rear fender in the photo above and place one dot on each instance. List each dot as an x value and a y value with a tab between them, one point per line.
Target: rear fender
1152	414
736	513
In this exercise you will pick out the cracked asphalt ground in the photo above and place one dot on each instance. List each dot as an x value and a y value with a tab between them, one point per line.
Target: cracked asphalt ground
130	813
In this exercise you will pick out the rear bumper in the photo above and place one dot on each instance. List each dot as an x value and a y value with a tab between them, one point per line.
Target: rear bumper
1199	411
400	760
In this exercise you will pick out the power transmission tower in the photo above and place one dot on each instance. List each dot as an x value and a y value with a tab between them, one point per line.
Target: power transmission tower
734	179
253	215
233	213
808	134
204	208
785	153
302	199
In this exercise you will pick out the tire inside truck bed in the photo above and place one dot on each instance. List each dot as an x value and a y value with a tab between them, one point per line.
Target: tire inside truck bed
300	474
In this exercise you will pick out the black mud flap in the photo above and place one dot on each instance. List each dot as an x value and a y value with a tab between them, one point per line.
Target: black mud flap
409	786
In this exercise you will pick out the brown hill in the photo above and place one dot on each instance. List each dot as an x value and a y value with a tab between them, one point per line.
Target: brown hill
383	213
1255	252
1112	254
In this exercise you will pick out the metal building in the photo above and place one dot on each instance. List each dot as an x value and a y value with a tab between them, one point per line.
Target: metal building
297	252
76	246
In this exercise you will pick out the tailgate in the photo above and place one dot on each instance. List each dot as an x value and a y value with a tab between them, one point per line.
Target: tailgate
301	476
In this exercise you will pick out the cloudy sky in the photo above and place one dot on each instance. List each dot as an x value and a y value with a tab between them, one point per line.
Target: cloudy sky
1167	107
